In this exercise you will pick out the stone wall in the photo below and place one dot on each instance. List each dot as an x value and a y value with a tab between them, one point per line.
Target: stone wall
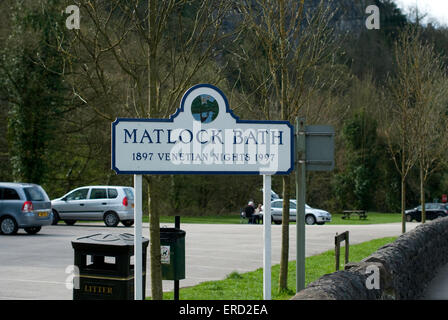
406	267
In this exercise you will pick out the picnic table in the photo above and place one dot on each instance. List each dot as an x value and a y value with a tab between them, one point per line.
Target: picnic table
361	213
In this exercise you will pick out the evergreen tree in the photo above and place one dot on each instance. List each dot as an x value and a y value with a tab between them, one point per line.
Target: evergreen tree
355	185
32	82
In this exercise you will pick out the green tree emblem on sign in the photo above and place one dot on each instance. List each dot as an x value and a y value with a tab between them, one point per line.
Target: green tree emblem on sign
204	108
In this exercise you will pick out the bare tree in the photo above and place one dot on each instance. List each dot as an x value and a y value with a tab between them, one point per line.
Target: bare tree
414	123
429	129
136	58
397	115
294	42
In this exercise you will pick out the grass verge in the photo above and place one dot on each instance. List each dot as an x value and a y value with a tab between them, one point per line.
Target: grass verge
249	285
372	218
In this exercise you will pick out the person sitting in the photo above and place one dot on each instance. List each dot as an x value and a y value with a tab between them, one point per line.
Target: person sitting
250	210
258	215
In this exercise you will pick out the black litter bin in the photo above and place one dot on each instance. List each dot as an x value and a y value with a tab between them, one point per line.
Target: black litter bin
105	269
172	243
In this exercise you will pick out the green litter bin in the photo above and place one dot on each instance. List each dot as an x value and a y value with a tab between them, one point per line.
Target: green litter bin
172	247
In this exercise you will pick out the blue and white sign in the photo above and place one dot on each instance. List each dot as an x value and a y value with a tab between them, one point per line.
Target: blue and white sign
202	137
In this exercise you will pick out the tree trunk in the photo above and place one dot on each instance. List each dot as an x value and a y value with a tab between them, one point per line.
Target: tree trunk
154	219
403	205
403	180
422	195
152	61
283	276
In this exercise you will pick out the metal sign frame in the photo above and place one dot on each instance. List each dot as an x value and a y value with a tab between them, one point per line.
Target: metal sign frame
306	161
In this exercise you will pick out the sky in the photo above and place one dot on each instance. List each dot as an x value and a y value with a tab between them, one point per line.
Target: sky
436	9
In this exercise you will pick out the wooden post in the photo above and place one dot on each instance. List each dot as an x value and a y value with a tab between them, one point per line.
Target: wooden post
347	246
337	249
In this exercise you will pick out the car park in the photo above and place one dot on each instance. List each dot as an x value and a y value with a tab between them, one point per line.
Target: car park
23	206
312	215
433	211
111	204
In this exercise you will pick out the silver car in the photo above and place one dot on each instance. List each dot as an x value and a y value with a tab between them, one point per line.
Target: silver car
312	215
111	204
23	205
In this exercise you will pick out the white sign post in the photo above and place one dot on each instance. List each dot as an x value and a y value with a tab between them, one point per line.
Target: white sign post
203	137
138	254
267	237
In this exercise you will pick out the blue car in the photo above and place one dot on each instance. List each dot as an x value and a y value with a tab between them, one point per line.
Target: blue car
23	206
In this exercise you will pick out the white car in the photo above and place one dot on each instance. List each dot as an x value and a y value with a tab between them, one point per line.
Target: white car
312	215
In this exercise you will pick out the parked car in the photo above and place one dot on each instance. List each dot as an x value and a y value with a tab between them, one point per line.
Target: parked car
312	215
433	211
23	205
110	204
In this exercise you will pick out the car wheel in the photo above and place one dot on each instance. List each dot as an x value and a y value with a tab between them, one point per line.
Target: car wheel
309	219
111	219
32	230
408	218
8	226
55	218
127	223
70	222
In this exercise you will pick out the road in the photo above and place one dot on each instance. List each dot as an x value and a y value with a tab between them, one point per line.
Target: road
34	266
